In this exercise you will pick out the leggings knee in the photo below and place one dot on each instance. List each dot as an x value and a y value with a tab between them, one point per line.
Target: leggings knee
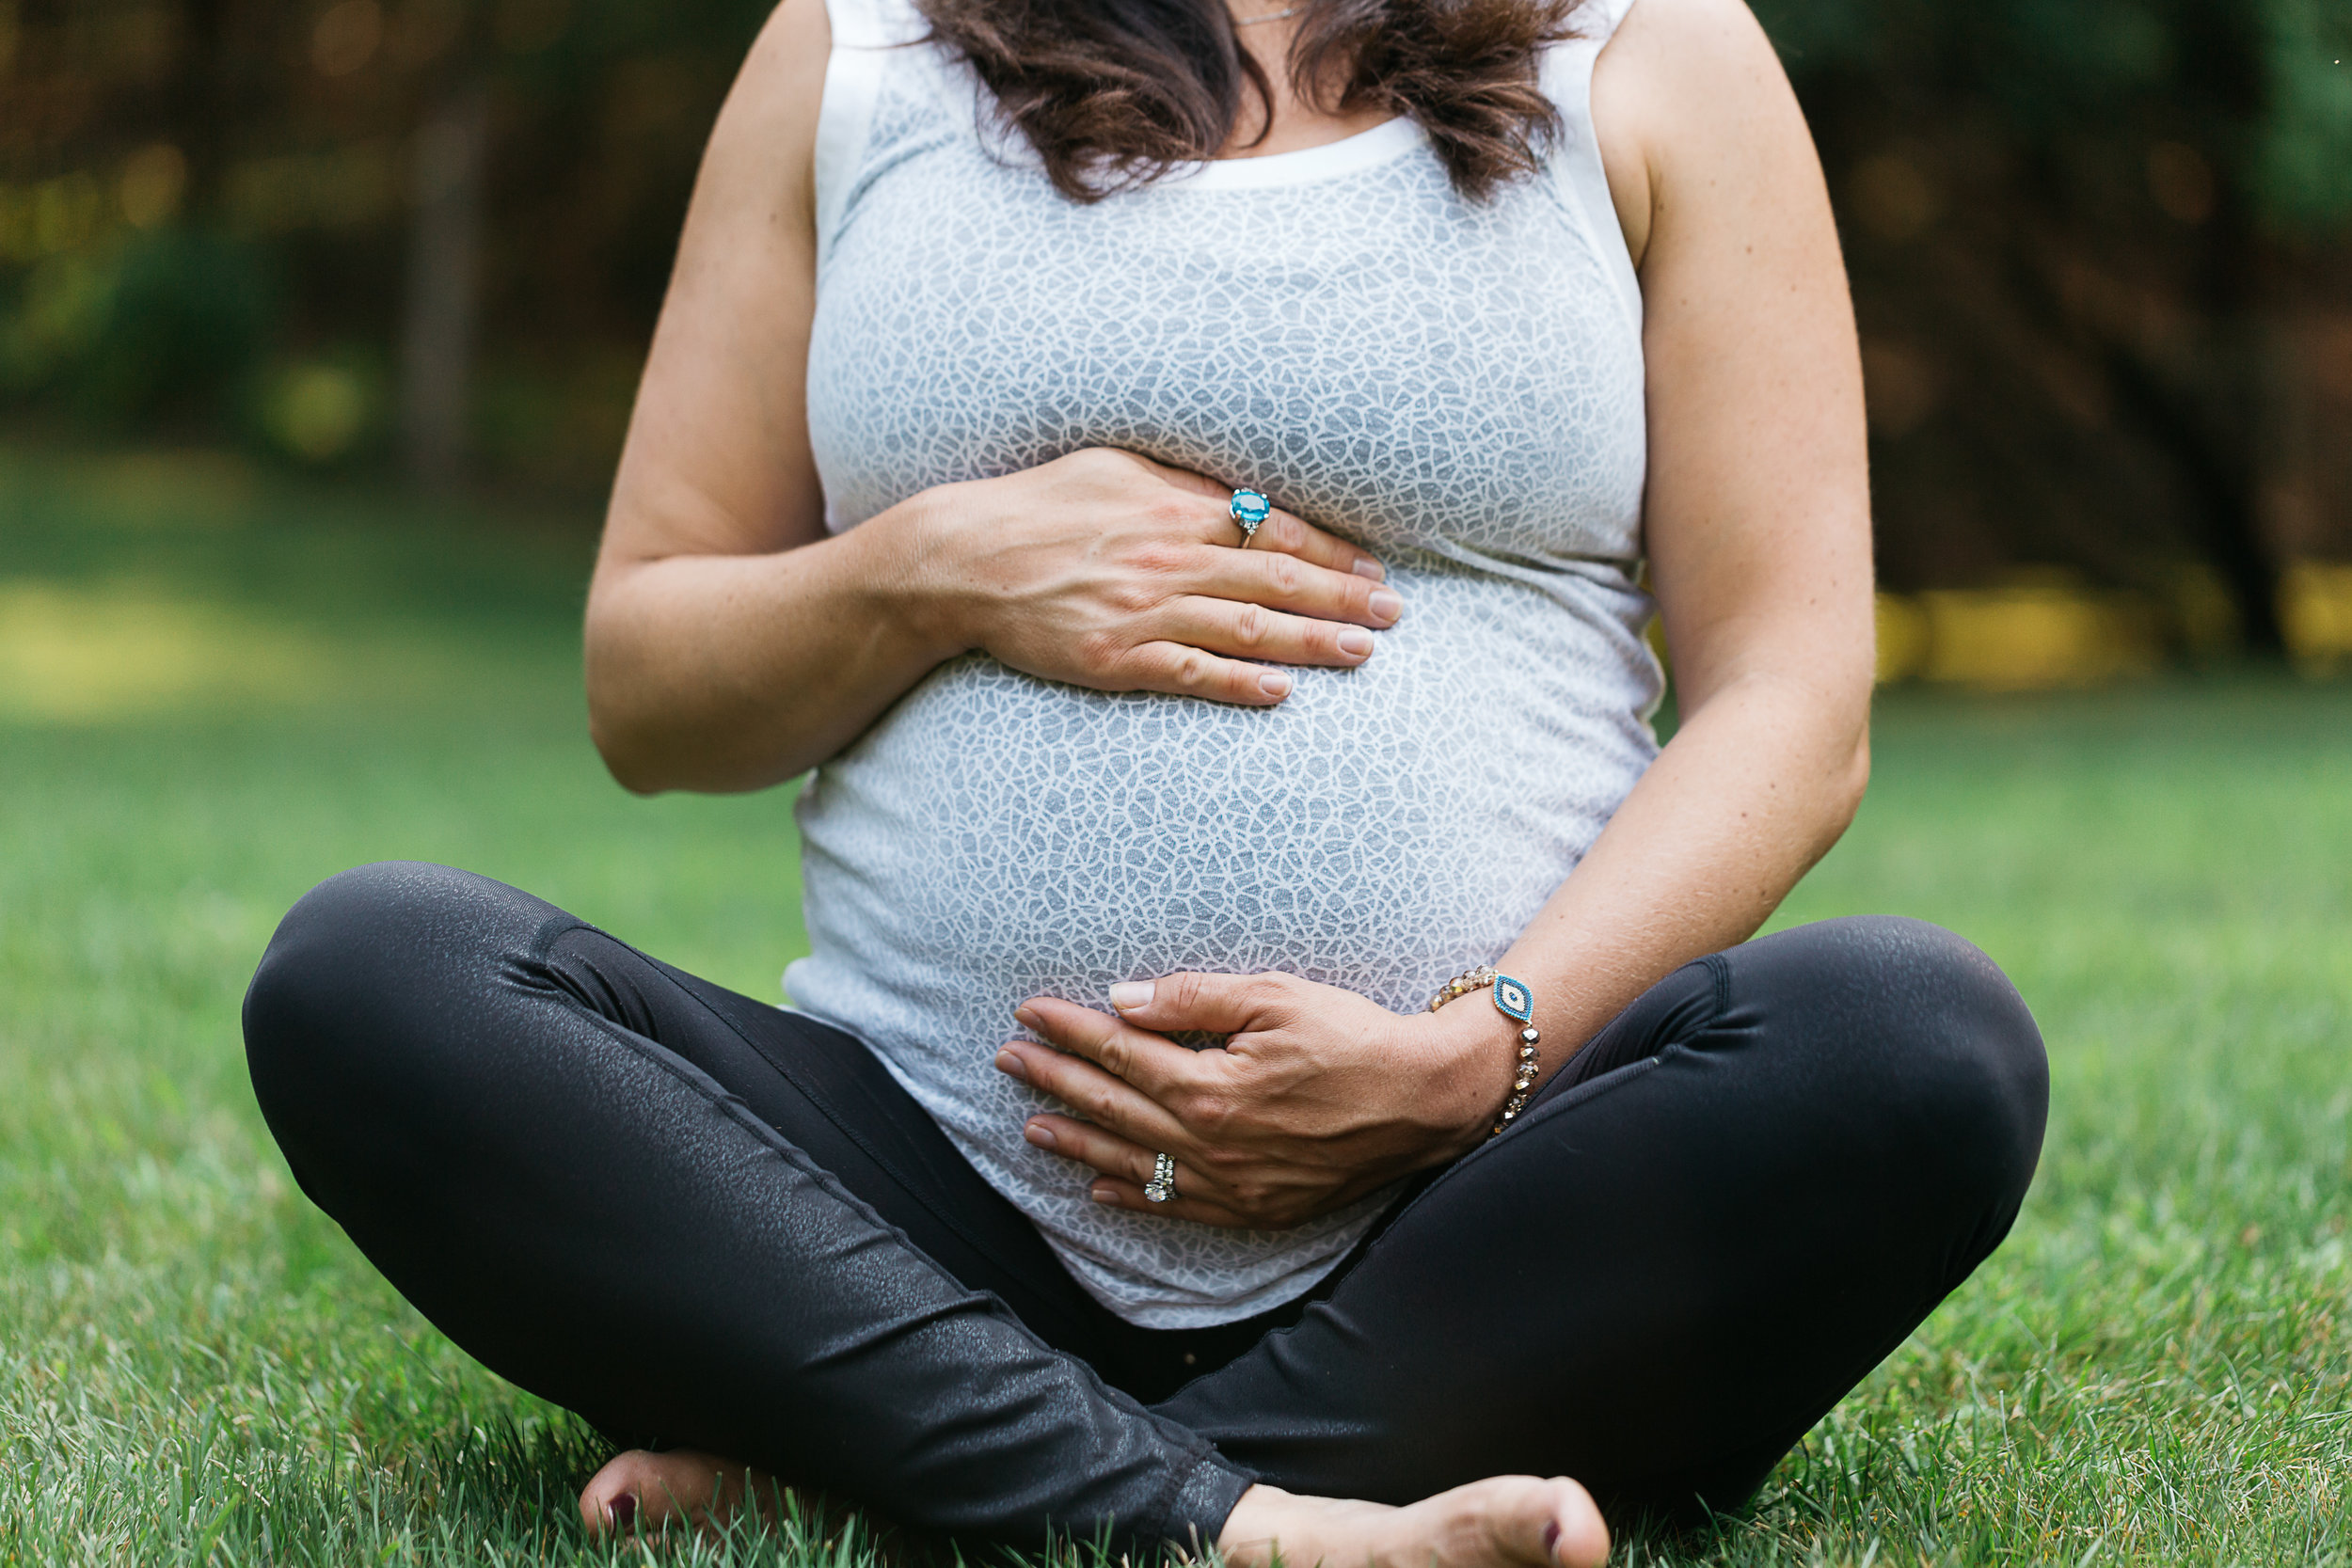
1964	1038
1930	1029
352	956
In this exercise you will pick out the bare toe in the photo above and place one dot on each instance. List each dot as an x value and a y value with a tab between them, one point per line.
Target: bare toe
642	1490
1573	1534
1509	1521
1505	1522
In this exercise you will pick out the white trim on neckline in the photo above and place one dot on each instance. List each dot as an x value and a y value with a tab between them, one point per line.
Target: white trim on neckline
1384	142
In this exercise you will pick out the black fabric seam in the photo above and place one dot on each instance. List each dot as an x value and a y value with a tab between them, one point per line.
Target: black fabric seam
824	1108
1721	970
742	1115
702	1085
1191	1443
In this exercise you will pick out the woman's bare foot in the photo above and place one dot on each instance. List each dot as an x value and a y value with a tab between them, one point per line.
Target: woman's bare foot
1506	1522
640	1490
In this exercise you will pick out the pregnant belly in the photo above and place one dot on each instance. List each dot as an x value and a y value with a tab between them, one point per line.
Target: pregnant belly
998	837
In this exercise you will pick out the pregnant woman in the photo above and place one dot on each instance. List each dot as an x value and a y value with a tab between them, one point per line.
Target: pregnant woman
1280	1065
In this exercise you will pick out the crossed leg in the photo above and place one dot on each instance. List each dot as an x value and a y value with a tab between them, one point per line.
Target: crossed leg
1742	1195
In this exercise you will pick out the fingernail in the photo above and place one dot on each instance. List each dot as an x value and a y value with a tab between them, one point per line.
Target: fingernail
1274	683
1103	1195
1027	1018
1356	641
1040	1134
622	1510
1012	1066
1372	569
1385	605
1130	995
1551	1537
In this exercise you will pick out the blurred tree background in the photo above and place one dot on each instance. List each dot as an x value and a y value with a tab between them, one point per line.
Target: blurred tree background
2101	252
2103	259
423	235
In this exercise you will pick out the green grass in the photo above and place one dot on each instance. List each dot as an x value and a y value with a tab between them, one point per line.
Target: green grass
194	1366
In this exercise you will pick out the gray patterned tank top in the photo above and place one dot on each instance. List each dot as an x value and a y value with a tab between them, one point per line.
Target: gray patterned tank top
1458	387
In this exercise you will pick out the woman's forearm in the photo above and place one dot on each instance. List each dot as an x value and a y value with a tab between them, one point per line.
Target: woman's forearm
719	669
1754	788
735	672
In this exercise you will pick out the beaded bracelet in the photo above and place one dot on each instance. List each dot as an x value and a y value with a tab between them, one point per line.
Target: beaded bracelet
1512	1000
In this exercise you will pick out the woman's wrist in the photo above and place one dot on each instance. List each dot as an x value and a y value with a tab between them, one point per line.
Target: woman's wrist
916	561
1469	1052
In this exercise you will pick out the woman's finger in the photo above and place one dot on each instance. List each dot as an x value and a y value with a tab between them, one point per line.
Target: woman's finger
1094	1094
1113	1192
1284	533
1152	1063
1297	587
1182	671
1218	1004
1105	1151
1255	632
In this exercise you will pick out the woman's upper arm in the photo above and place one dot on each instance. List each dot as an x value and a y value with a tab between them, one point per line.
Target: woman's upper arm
1757	509
717	461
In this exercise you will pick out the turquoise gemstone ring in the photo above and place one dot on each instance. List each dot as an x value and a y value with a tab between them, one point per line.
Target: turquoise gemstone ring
1249	509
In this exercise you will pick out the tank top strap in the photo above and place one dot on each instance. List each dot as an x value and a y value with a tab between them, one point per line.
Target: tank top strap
1596	21
880	24
1567	80
867	37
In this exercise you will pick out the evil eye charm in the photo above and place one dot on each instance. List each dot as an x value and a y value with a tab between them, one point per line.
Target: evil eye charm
1514	999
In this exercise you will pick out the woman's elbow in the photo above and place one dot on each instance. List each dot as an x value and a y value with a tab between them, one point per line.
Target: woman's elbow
653	740
621	723
621	738
626	756
1846	711
1850	780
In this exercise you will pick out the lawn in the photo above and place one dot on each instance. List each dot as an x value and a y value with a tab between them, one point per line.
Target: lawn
218	687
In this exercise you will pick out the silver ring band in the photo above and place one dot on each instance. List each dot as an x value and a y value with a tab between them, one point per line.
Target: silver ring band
1163	1184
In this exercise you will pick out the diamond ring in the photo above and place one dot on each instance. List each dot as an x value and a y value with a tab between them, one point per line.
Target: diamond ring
1251	508
1163	1184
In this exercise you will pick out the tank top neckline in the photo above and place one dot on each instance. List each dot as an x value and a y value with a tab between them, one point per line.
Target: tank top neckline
1369	148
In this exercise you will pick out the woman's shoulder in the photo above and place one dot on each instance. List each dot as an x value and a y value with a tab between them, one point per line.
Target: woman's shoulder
1678	86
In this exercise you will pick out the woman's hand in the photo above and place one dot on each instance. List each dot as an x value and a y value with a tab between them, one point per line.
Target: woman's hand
1107	570
1318	1098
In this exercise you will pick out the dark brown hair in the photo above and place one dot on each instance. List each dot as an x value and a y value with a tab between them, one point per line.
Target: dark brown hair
1114	93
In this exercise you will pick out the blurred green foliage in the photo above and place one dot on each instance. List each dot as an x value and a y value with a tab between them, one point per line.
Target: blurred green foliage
2098	252
151	323
2262	84
2303	164
207	212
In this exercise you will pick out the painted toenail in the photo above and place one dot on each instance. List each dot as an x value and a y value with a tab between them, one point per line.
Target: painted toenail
623	1510
1552	1538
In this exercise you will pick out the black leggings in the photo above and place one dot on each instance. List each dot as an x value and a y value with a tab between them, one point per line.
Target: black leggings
700	1219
